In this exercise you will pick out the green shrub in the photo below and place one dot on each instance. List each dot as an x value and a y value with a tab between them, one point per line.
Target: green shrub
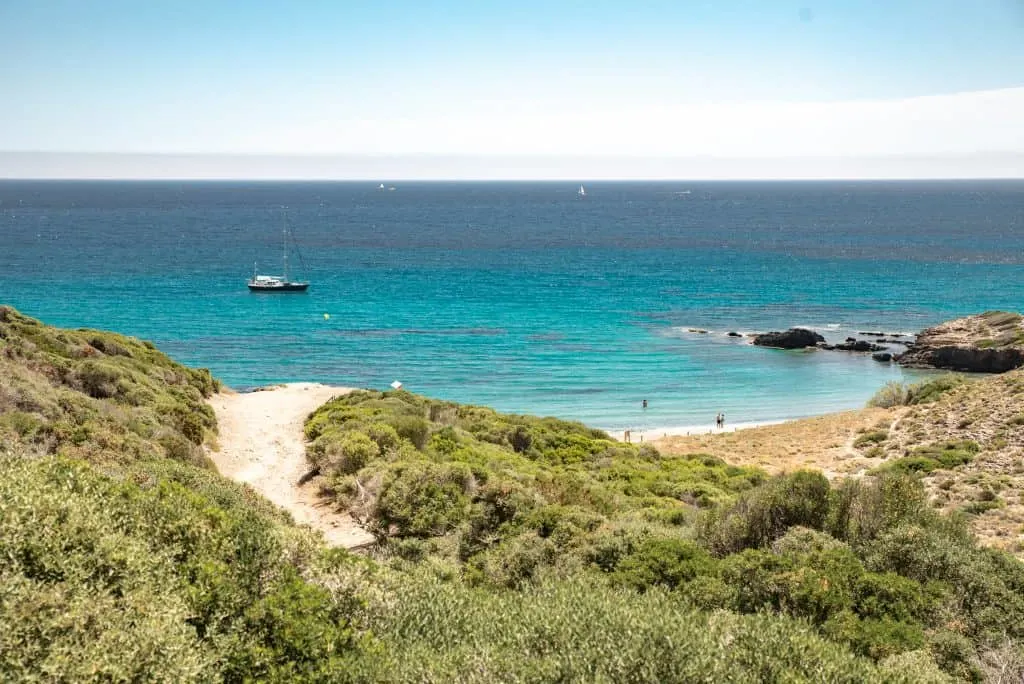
799	541
895	393
412	428
861	509
979	507
384	436
874	638
663	562
350	452
763	515
423	499
927	391
946	455
513	563
873	437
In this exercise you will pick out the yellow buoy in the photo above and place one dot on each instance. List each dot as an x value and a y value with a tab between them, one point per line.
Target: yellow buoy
327	317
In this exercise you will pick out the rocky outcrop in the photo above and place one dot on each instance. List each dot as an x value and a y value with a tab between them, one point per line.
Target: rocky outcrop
882	357
859	346
992	342
794	338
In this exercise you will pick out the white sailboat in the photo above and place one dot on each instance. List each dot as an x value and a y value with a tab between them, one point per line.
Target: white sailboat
271	283
581	192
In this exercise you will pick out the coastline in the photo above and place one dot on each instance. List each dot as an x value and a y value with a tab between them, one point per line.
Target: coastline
653	434
296	391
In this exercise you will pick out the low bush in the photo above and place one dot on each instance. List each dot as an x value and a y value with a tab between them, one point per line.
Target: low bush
945	455
663	562
895	393
870	438
764	514
423	499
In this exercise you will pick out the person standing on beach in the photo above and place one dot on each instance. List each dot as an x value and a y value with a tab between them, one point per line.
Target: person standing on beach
722	424
718	420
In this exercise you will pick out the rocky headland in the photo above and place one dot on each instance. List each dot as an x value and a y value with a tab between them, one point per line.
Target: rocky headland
992	342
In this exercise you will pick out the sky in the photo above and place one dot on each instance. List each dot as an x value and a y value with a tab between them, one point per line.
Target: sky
461	88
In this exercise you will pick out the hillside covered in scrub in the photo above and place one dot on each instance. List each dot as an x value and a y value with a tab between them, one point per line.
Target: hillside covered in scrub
511	548
123	556
961	436
504	501
966	443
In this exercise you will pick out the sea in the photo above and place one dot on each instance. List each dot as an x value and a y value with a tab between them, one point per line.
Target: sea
524	296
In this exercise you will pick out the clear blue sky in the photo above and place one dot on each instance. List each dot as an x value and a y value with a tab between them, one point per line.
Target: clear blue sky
274	76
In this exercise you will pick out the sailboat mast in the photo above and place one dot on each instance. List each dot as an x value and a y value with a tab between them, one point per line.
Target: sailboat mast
284	243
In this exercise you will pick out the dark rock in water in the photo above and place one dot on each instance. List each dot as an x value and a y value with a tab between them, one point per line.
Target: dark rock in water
735	334
826	347
860	346
697	330
851	339
794	338
884	357
992	342
871	334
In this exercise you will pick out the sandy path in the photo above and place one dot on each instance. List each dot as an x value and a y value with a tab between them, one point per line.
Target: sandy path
261	444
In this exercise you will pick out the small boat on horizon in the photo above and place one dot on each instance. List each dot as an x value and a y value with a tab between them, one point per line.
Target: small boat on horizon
271	283
581	192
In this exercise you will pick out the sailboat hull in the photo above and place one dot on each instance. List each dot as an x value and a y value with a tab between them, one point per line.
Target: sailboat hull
278	287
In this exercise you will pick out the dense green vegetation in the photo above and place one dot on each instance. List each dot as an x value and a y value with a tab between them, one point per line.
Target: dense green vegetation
498	501
511	548
122	557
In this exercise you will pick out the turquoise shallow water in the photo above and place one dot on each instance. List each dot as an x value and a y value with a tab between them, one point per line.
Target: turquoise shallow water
520	295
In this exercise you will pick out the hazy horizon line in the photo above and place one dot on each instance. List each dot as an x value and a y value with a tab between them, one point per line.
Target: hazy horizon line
177	166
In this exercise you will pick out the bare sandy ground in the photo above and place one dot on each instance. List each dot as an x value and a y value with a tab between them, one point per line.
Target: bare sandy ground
822	443
262	444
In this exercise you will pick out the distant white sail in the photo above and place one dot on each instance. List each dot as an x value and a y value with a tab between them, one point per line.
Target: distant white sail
582	192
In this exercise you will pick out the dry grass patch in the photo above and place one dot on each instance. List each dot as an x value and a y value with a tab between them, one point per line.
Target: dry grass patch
825	443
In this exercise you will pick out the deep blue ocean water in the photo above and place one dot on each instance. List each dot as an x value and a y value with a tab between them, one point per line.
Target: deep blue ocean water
523	296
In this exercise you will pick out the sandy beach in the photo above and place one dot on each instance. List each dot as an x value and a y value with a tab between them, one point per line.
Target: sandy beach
822	443
262	444
655	433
